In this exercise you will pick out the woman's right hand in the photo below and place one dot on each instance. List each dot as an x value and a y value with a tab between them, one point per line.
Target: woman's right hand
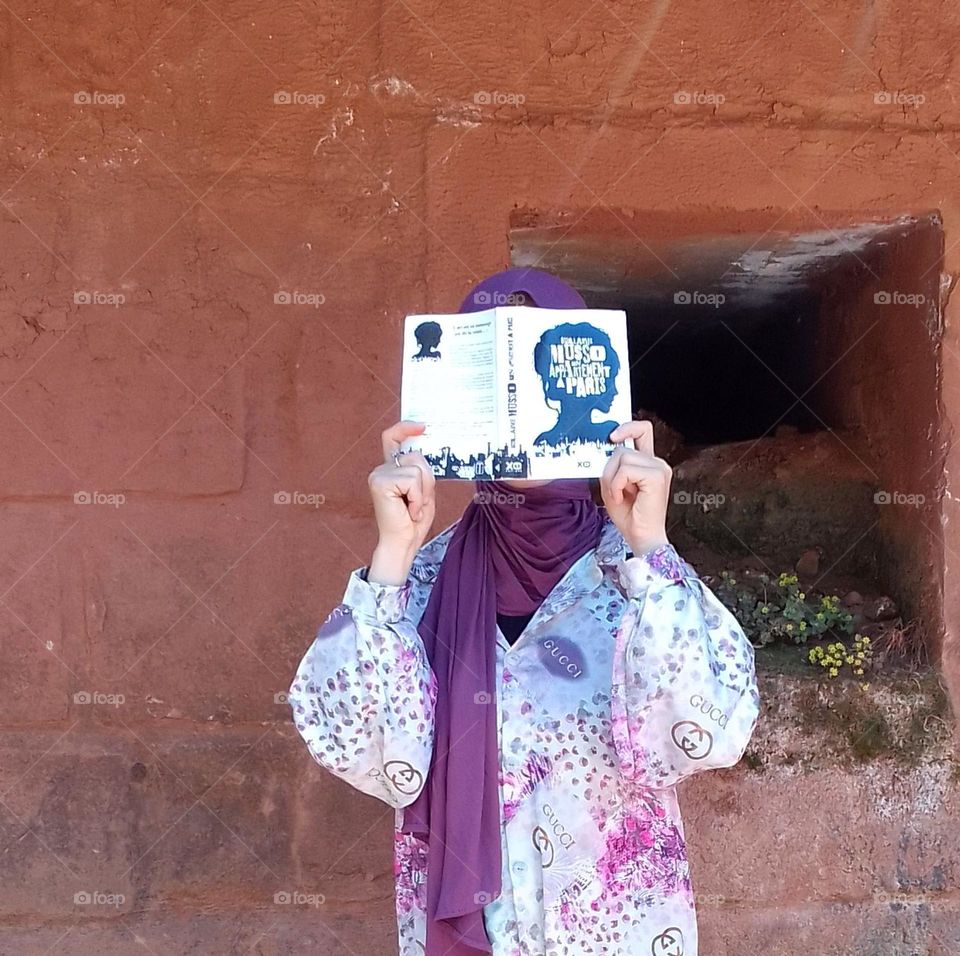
404	505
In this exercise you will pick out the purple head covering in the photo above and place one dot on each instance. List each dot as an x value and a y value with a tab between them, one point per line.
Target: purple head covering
502	557
547	291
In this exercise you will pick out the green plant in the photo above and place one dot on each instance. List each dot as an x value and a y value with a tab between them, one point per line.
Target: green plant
775	609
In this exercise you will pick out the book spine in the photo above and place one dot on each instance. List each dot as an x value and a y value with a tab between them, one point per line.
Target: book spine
509	460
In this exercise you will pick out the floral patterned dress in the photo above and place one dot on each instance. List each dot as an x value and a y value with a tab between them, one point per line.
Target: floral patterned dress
630	677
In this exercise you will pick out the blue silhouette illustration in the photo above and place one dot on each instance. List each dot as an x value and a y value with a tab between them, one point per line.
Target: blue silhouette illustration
427	335
578	367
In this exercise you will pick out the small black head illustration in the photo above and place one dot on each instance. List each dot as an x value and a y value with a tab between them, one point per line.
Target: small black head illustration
428	335
578	367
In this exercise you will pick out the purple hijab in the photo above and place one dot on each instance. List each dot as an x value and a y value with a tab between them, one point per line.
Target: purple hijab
505	556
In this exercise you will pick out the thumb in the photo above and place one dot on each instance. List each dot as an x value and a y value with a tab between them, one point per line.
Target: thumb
412	488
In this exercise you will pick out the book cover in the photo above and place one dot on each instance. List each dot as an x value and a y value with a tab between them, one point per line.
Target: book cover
516	391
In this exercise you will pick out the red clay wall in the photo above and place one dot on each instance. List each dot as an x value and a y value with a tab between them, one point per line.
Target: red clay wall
146	758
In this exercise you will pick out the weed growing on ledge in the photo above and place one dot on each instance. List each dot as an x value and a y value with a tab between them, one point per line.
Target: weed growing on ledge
837	655
775	609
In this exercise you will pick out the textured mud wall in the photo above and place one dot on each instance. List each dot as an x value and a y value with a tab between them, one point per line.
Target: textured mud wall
212	217
879	368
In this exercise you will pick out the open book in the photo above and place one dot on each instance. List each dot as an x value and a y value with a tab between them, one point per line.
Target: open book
516	391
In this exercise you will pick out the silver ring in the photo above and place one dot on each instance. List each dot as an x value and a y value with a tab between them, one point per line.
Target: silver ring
396	459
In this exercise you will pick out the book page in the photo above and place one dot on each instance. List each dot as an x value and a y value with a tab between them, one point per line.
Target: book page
572	387
448	383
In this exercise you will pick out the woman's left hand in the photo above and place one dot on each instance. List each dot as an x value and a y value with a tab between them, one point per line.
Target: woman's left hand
635	486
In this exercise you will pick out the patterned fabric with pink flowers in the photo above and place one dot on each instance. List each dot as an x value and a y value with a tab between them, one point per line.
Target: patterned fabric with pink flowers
630	677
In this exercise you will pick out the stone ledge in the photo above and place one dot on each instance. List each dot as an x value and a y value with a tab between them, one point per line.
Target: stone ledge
810	721
281	929
832	929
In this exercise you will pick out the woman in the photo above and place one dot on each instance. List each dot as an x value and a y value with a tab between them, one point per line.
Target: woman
526	689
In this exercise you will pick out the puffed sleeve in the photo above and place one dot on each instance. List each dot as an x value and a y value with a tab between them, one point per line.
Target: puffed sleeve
364	694
685	693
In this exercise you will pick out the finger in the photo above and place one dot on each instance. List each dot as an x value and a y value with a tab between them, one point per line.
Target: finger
391	438
609	470
409	482
429	481
618	437
628	475
634	474
624	455
640	431
619	481
635	455
414	493
413	463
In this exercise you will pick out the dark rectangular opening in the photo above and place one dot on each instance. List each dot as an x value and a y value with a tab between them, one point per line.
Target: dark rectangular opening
794	375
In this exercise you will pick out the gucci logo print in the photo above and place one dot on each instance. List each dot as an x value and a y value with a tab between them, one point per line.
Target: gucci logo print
668	943
695	741
544	844
404	777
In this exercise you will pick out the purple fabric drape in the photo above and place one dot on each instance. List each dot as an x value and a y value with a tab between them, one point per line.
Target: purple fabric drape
506	555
